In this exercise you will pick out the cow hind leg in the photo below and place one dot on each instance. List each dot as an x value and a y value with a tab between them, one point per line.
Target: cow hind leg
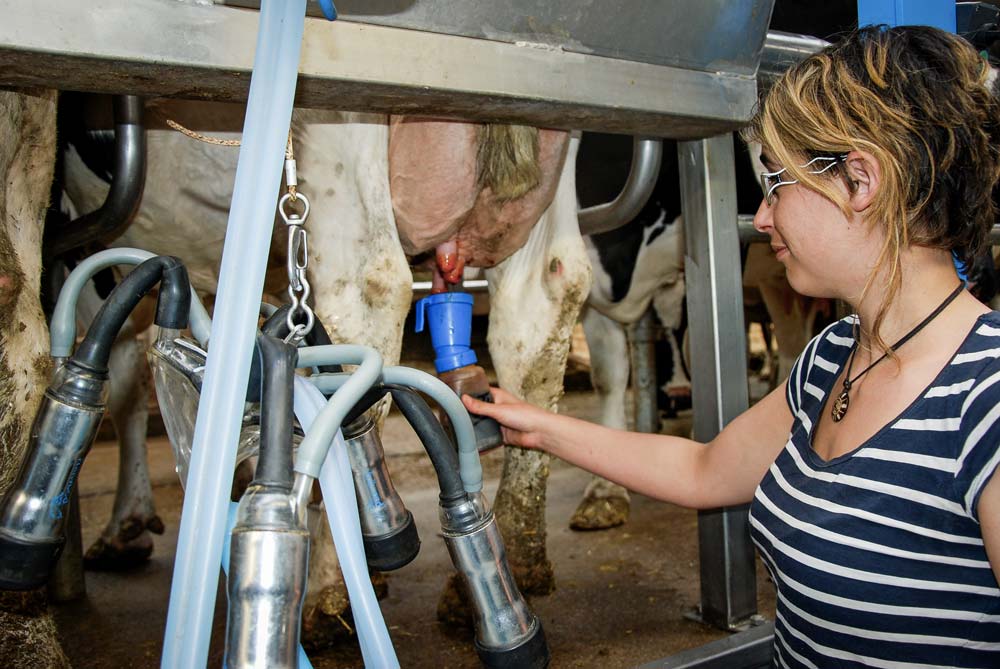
548	278
127	538
363	288
668	304
605	504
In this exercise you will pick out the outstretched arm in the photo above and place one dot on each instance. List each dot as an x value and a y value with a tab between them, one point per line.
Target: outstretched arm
723	472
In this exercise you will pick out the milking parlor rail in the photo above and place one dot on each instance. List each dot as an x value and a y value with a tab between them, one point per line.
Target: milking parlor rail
655	68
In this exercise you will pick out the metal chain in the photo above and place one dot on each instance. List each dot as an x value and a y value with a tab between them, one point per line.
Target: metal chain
298	252
298	242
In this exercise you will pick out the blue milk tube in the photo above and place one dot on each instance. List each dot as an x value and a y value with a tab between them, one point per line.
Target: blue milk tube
241	282
345	525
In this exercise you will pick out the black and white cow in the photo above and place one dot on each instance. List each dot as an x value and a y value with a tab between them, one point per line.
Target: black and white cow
638	266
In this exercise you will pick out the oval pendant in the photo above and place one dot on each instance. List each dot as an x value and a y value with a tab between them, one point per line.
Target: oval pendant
840	406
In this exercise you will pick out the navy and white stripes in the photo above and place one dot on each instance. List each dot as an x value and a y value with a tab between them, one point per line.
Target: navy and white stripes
877	555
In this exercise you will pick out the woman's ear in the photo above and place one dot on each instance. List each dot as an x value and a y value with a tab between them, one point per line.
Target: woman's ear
865	175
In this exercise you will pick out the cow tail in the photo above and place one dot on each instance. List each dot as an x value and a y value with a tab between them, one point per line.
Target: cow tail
507	160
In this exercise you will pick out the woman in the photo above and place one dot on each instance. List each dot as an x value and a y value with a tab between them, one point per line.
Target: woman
869	470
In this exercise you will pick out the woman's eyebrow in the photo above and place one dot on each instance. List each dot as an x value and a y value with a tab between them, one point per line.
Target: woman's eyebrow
767	160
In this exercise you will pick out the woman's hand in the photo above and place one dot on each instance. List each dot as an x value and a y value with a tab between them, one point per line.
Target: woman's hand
522	424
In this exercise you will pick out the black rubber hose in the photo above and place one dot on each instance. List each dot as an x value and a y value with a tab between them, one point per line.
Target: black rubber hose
274	464
172	308
127	183
436	441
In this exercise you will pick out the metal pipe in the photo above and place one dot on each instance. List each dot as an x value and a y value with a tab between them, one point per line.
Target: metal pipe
387	528
122	202
470	286
642	337
646	155
269	545
65	426
508	634
781	51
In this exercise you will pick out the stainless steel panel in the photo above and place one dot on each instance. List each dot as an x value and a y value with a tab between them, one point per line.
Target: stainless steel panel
752	649
502	617
709	35
718	363
168	48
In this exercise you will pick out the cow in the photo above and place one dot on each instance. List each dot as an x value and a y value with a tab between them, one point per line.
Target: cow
385	191
27	158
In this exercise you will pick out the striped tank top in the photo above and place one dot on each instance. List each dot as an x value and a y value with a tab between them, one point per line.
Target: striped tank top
877	555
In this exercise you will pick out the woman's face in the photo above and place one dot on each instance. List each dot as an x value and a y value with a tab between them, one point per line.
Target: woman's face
825	253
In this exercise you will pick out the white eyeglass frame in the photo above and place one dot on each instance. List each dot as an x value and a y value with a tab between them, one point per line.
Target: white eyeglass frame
770	181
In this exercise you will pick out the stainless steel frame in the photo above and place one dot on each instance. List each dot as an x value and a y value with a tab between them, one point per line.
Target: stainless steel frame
206	51
715	314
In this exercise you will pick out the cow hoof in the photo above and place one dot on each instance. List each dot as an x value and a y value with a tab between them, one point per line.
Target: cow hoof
599	513
325	623
328	620
118	554
454	608
133	526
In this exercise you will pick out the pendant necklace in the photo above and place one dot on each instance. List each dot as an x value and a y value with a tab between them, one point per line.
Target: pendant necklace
843	401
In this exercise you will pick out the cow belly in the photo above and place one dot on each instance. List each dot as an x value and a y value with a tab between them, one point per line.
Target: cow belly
437	195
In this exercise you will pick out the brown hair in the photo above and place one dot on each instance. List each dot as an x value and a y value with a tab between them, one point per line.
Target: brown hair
917	99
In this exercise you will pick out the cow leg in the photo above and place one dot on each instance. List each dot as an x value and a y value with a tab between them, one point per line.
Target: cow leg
788	311
361	281
548	278
27	159
127	540
605	504
668	303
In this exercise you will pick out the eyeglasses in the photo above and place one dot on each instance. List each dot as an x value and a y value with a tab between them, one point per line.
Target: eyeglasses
769	181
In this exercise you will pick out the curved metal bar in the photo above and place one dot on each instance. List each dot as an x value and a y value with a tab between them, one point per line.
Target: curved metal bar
122	202
781	51
646	155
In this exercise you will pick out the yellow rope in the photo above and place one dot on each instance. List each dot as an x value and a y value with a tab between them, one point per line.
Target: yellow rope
201	138
289	152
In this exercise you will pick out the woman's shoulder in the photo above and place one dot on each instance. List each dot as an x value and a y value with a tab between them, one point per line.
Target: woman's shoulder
835	336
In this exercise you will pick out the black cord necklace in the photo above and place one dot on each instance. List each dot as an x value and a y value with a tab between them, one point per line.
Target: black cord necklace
843	402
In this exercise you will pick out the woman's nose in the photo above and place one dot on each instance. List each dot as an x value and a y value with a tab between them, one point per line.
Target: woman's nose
762	219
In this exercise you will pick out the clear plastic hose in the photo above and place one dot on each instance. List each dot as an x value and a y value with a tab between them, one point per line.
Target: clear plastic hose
342	514
241	282
313	449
